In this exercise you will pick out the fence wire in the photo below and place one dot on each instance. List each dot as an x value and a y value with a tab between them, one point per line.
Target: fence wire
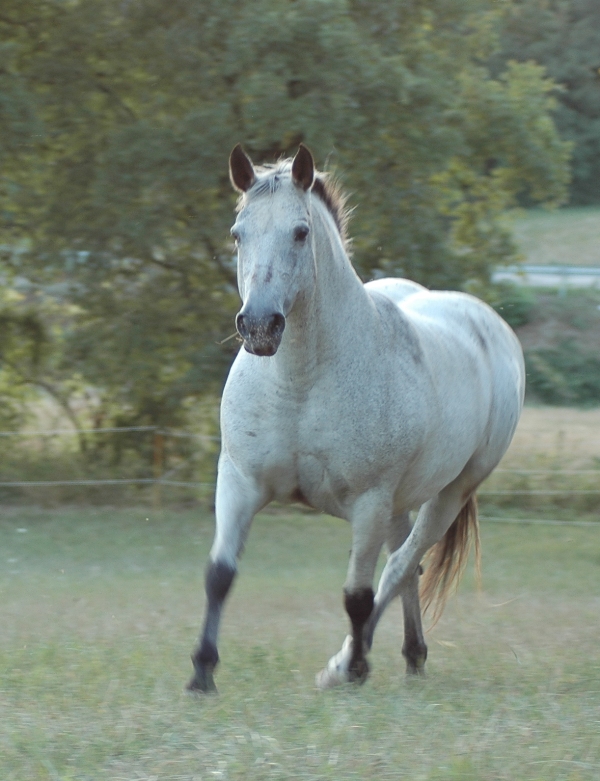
539	521
164	480
155	453
110	430
110	481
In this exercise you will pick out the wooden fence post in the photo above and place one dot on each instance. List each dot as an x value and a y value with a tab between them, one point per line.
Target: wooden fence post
158	461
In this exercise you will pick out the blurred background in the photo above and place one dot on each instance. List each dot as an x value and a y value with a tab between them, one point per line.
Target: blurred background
468	137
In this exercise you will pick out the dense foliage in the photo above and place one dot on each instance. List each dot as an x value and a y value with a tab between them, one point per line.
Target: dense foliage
117	119
560	335
564	37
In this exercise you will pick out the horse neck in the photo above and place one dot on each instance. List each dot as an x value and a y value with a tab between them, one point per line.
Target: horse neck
321	325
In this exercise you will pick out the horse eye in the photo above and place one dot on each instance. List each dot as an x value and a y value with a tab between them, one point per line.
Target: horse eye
300	233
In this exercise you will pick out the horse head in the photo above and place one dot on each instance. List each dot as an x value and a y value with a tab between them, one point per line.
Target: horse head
275	253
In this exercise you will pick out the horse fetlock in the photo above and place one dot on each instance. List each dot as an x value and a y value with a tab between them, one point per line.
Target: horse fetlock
205	660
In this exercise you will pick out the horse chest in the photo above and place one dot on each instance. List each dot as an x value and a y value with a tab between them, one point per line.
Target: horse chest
334	461
323	444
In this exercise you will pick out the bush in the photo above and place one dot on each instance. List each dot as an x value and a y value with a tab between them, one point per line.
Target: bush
563	375
513	303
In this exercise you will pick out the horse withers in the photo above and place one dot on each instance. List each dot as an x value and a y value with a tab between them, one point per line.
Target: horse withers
362	401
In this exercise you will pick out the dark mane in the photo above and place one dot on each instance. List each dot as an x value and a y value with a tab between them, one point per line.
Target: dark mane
325	187
335	199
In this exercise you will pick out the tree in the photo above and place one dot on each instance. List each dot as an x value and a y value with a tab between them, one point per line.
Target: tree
564	37
122	205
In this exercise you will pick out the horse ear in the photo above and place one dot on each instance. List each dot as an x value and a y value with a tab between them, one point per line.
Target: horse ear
303	167
241	170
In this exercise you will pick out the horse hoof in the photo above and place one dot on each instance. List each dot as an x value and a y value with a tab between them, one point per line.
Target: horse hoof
202	682
359	671
336	671
329	679
415	661
416	669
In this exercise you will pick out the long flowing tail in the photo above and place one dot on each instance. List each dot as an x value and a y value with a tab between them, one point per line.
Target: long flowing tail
445	561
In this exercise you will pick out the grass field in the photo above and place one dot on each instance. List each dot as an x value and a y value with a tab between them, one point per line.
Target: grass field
565	237
99	611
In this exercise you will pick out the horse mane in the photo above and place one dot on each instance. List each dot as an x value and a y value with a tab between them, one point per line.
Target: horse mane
325	186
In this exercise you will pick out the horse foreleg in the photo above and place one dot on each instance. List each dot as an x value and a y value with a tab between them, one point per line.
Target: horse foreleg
368	533
237	501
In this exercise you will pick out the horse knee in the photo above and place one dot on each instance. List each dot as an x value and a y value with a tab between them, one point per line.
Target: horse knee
359	606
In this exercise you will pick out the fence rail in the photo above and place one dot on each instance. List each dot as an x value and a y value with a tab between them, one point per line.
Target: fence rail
155	465
109	481
162	478
110	430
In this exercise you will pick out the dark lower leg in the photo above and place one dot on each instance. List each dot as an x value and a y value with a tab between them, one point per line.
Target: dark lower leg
414	648
358	604
219	577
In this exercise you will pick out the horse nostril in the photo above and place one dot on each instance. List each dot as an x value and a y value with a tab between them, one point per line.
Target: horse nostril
277	324
262	332
240	324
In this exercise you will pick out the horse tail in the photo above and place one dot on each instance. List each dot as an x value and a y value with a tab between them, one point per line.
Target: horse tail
446	560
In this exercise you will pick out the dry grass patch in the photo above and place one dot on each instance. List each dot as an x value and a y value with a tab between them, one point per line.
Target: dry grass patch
569	237
567	438
555	450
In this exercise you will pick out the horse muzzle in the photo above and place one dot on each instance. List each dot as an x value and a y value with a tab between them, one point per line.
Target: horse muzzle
261	334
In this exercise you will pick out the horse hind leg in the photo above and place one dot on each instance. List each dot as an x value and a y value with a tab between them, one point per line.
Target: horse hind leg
414	648
448	522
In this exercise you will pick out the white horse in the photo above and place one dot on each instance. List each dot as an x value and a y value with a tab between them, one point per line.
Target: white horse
362	401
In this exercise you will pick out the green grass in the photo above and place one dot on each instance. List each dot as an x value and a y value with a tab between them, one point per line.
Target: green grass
99	610
565	237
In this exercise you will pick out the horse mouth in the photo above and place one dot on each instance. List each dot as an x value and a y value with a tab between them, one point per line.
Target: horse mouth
261	335
264	350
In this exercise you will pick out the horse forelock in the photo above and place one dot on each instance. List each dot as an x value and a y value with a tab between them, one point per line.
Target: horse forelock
269	179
